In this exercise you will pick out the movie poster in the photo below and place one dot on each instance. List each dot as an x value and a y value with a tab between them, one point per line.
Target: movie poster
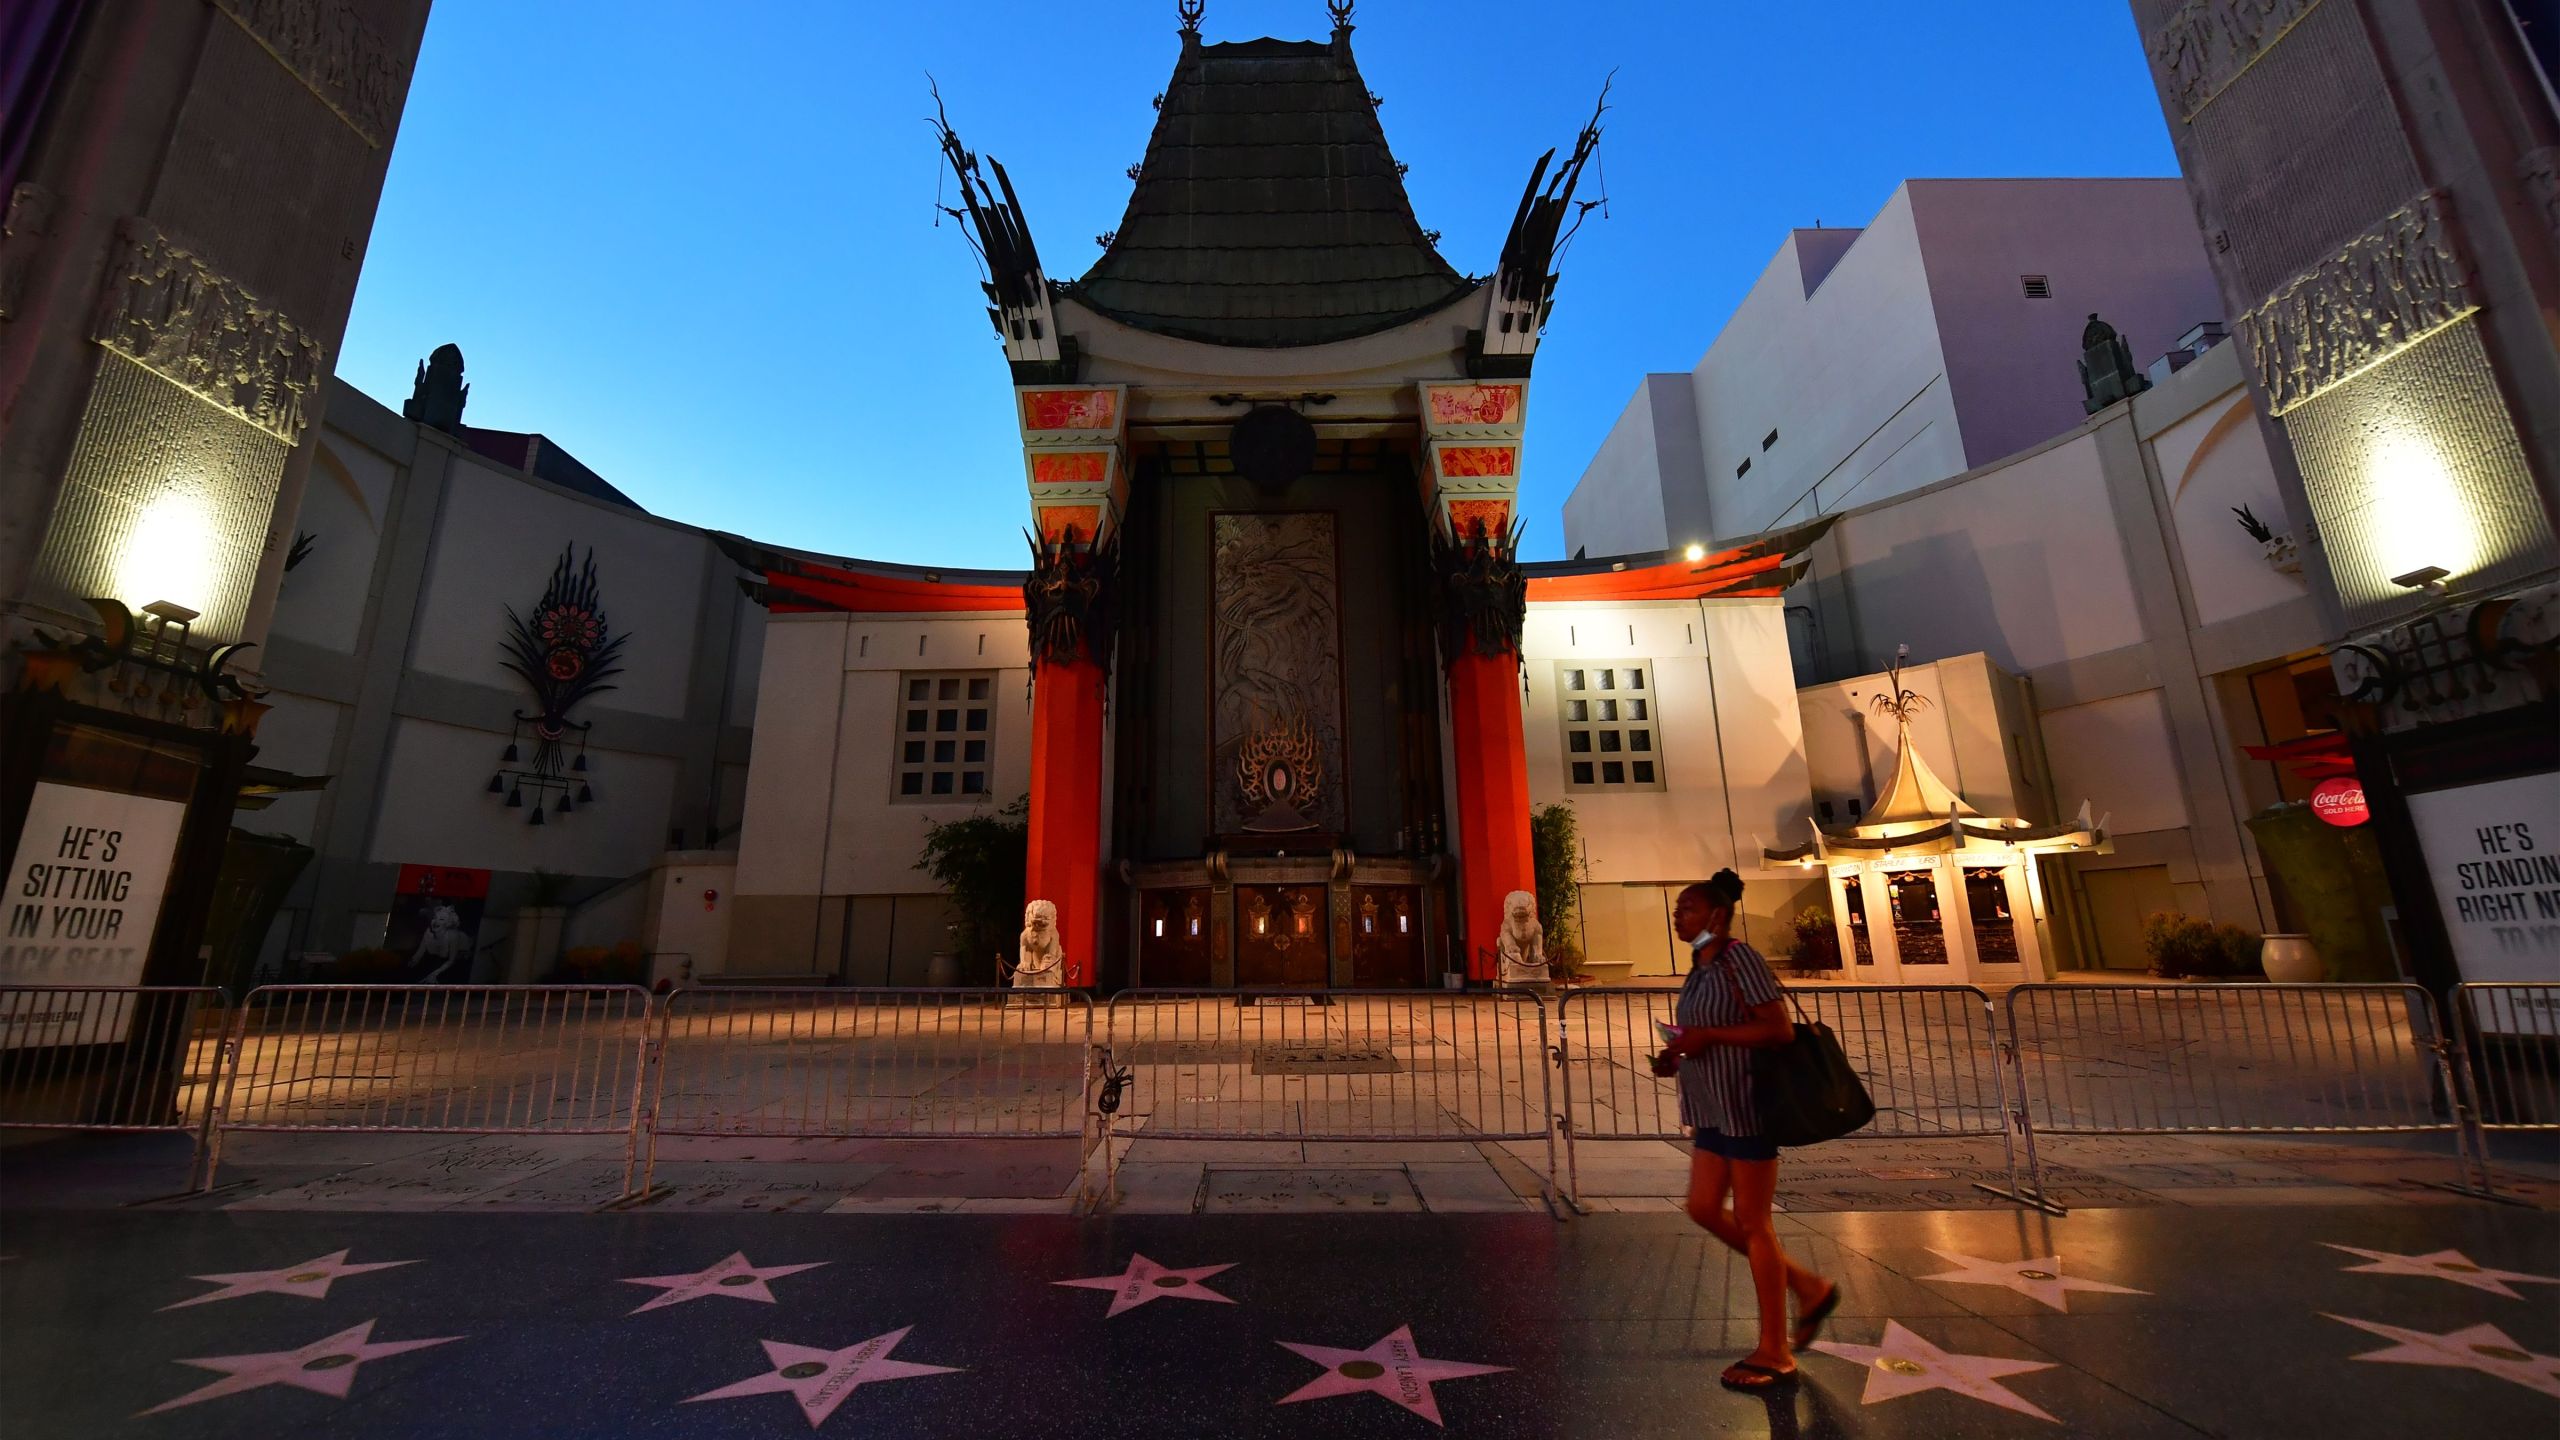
82	902
435	923
2493	852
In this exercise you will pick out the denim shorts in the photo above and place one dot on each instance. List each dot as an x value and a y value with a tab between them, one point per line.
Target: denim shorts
1736	1147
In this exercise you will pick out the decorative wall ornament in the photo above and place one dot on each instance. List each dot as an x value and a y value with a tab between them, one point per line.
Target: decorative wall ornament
1070	599
564	652
1017	288
1484	596
1524	284
437	396
2467	660
1275	671
2204	45
2392	286
1281	773
149	668
330	49
2281	551
166	309
2107	371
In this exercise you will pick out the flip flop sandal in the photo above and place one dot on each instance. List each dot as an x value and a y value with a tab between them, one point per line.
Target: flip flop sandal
1755	1378
1809	1324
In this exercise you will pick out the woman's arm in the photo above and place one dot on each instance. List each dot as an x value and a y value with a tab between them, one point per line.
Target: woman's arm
1768	1027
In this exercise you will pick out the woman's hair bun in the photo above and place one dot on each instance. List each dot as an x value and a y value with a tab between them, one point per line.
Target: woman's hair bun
1725	887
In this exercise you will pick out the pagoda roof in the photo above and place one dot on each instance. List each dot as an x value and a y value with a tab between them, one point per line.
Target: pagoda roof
1268	211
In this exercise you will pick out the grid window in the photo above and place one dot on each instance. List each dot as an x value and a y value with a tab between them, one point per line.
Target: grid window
1609	727
943	724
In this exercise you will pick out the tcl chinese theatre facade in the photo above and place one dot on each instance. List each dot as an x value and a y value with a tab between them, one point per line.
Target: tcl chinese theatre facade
1275	682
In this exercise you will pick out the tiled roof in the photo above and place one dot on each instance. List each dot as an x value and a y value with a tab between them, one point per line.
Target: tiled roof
1268	210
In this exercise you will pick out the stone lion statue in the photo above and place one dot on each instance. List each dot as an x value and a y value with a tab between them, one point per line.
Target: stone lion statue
1043	958
1522	943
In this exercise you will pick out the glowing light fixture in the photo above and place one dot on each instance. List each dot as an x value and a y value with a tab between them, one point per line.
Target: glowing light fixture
2421	520
2429	578
1695	553
167	552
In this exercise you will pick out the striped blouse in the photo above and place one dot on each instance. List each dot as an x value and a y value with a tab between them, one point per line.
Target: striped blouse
1715	1083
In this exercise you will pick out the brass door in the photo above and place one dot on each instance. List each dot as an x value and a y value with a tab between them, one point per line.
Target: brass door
1173	937
1280	936
1386	936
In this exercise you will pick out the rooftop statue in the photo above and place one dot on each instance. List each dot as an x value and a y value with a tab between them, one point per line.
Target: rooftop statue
2106	367
438	395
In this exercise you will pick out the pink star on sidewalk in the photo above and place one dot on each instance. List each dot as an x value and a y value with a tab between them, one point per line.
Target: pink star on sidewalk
2484	1348
1146	1280
1905	1364
310	1279
734	1278
325	1367
1394	1367
821	1379
2450	1265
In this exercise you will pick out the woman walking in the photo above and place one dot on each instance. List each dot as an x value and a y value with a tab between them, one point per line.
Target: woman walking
1730	1006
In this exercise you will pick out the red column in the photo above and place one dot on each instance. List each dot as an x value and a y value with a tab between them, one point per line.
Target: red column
1064	865
1491	763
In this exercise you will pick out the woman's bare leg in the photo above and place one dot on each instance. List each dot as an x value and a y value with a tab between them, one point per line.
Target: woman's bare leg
1709	1179
1755	1187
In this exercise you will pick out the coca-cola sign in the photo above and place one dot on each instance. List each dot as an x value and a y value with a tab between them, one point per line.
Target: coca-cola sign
2340	801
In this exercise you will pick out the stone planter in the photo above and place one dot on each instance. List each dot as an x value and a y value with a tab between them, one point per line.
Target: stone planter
2291	960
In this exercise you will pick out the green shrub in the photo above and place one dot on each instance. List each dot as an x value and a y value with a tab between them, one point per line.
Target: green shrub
1817	940
2183	947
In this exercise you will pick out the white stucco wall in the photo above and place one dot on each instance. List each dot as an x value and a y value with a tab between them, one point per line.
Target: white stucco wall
436	809
296	737
496	541
2021	562
1643	491
1726	722
2117	753
1964	733
821	815
344	509
2211	463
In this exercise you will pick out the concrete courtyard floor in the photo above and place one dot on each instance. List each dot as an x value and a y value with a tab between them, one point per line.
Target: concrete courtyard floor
2158	1320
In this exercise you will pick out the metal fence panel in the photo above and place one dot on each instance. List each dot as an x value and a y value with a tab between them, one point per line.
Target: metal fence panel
445	1059
1336	1065
2229	1059
2510	1048
109	1057
1930	1056
874	1063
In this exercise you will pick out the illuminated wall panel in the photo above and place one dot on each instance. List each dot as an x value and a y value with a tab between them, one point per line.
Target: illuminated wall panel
167	498
2415	463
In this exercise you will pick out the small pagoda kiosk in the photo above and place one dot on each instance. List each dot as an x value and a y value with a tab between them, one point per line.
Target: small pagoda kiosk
1925	887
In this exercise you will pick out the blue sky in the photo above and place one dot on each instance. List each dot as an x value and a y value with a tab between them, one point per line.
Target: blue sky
703	256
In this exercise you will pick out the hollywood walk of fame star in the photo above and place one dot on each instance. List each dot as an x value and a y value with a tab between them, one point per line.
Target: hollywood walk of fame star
326	1367
734	1278
2484	1348
1146	1280
1905	1364
2040	1280
2450	1265
310	1279
1394	1367
821	1379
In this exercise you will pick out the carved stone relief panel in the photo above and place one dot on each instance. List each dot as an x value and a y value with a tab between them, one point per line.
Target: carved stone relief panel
2204	45
2392	286
167	309
1275	745
2538	172
330	49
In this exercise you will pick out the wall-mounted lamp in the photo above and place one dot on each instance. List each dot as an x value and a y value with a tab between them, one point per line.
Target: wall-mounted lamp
2429	578
1695	553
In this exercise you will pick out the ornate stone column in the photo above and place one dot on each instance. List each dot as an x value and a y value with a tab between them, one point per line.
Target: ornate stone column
1483	599
1073	458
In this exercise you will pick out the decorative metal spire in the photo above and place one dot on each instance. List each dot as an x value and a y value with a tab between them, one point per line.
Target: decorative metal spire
1902	703
1340	10
1191	11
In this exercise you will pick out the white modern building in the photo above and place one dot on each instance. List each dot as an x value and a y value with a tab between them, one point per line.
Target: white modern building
1867	362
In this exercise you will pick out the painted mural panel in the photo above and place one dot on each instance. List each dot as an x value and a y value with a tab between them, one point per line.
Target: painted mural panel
1275	742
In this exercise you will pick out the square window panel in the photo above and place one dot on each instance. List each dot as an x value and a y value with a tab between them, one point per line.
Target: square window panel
1612	772
1578	741
973	782
975	753
1608	678
915	720
911	783
946	720
945	751
1573	679
1635	679
1644	772
1639	739
913	754
919	689
1608	709
977	721
941	782
978	688
1609	742
1581	772
949	690
1634	709
1577	710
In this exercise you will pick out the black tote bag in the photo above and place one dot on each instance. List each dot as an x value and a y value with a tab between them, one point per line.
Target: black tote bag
1806	1090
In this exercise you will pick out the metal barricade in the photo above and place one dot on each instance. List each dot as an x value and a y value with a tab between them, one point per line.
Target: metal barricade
113	1058
873	1064
1332	1065
2507	1036
438	1059
2249	1059
1930	1056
